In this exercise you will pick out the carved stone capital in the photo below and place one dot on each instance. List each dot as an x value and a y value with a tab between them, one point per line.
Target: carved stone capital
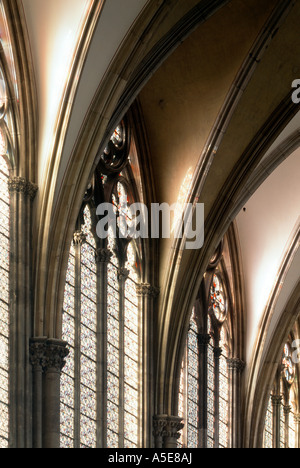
167	426
236	364
218	352
123	274
32	190
79	238
287	409
103	255
55	355
297	418
155	291
145	289
204	339
21	185
37	351
276	400
173	427
48	354
159	425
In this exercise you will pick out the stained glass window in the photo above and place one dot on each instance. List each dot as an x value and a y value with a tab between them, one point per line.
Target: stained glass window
101	384
4	301
292	430
88	336
123	333
67	409
131	347
113	347
204	394
268	434
224	393
79	395
210	396
280	422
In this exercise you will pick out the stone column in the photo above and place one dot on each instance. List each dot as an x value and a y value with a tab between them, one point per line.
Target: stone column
37	360
22	194
159	427
55	354
167	431
276	405
235	367
79	238
103	257
123	275
146	295
297	424
286	411
203	342
217	355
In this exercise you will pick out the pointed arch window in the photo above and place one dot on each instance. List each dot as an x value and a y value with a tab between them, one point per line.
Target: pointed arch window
282	420
101	384
6	155
206	380
78	383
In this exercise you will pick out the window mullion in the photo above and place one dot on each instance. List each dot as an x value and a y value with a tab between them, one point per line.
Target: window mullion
102	258
217	355
78	241
123	275
203	340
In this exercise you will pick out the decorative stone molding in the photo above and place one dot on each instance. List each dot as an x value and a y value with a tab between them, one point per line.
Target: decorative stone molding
173	427
276	400
21	185
155	291
37	351
218	352
145	289
79	238
32	190
204	339
123	274
103	255
236	364
166	430
297	418
55	355
48	354
159	425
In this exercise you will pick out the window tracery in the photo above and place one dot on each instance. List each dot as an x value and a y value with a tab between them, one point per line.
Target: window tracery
281	425
7	147
110	325
205	393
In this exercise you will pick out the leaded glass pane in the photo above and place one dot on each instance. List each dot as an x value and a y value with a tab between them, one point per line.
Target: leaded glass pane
268	435
224	402
282	427
210	396
4	301
292	431
88	336
182	401
87	432
67	389
131	363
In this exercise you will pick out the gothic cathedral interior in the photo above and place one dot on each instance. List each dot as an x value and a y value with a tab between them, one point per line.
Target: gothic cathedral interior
149	224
